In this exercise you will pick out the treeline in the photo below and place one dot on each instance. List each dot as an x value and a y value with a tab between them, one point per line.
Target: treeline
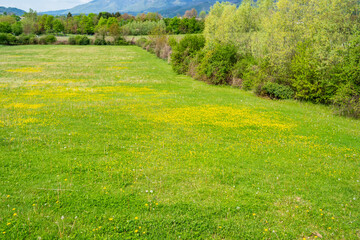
307	50
142	24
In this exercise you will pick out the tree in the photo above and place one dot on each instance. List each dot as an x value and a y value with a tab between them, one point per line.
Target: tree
58	26
191	13
17	28
202	14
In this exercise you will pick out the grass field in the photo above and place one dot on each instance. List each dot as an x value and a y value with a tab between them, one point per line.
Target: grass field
109	143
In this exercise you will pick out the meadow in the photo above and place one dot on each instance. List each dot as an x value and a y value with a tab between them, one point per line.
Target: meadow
107	142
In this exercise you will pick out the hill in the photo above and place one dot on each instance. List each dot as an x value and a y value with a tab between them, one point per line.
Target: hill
10	11
167	8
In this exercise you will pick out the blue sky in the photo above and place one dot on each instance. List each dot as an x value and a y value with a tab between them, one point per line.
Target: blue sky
42	5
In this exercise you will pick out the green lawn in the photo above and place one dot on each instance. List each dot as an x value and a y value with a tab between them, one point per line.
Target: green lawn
108	143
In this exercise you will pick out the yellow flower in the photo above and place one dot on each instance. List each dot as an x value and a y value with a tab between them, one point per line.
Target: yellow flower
4	232
136	218
65	179
219	226
34	205
15	214
104	188
14	209
157	204
329	228
332	218
146	204
7	196
110	219
8	224
139	227
266	229
136	231
143	232
320	209
254	214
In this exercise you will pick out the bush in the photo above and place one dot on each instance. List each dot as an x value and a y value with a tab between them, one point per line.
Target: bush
28	39
79	40
82	40
48	39
245	72
347	101
217	64
184	51
7	39
121	42
277	91
100	41
141	42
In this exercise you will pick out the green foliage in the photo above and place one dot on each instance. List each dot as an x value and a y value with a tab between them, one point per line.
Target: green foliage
47	39
277	91
184	51
7	39
28	39
217	64
79	40
17	28
5	27
98	41
143	28
245	71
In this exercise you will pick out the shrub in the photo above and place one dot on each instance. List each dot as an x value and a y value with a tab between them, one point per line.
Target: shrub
28	39
217	64
72	41
244	72
184	51
47	39
121	42
99	41
79	40
82	40
141	42
7	39
347	101
277	91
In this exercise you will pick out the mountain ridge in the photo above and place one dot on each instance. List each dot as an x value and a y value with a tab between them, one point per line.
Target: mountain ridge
11	10
167	8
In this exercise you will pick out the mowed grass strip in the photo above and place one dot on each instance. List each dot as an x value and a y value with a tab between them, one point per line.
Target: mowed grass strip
109	143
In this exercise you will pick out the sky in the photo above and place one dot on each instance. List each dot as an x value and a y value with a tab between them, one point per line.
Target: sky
42	5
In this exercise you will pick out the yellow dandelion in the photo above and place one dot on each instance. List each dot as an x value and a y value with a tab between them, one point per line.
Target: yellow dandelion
333	218
34	205
266	229
144	232
104	188
7	196
219	226
157	204
254	214
14	209
329	228
136	218
320	209
136	231
15	214
8	224
110	219
139	227
65	179
4	232
146	204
